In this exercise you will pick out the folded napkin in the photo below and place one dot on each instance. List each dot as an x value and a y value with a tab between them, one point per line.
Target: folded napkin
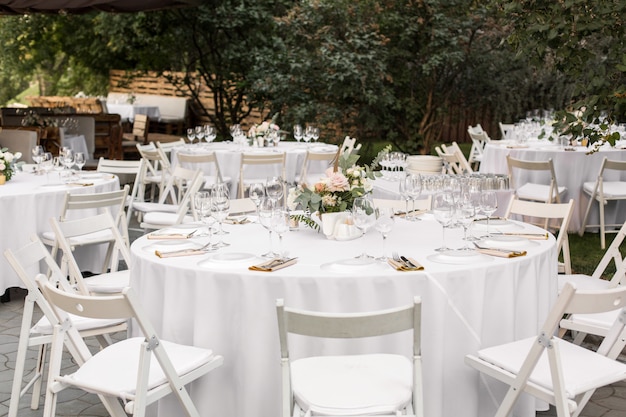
163	236
411	213
273	265
184	252
530	236
80	184
237	220
502	253
401	266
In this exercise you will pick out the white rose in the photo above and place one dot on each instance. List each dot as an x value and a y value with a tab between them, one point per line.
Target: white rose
8	157
18	155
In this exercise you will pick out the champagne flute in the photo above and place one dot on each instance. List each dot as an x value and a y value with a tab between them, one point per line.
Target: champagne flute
79	160
443	210
280	226
46	165
364	217
384	224
266	210
404	187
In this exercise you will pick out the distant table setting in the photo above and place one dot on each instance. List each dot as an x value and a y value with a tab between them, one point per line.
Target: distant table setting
224	299
27	203
229	158
128	111
572	164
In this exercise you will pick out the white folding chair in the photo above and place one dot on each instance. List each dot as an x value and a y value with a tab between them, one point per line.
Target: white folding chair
309	176
26	263
347	145
168	146
128	172
400	205
205	162
106	282
603	191
157	168
506	129
159	215
479	139
560	212
451	163
125	370
274	161
353	385
542	187
461	161
555	370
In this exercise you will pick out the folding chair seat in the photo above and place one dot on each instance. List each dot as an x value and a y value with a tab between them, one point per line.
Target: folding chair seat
546	190
162	214
603	191
26	262
138	371
555	370
106	282
205	162
129	172
365	384
274	164
561	212
479	139
308	175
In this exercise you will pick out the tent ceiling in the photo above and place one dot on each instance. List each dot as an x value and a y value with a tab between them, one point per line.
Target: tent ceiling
85	6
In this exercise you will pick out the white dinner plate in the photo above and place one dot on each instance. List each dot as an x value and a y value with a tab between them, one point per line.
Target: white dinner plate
459	257
171	245
495	225
354	265
229	260
506	242
179	228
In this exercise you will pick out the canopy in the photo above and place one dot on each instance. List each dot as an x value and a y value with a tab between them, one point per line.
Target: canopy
85	6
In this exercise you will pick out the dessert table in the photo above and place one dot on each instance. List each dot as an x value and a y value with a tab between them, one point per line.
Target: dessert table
27	203
469	301
228	156
572	167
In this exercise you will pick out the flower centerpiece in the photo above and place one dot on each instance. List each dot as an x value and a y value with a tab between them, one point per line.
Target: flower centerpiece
263	134
7	163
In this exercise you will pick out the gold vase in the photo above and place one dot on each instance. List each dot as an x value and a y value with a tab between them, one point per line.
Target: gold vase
3	179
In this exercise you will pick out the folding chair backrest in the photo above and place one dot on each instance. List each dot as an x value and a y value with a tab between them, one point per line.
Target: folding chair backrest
201	161
348	145
506	129
257	159
168	146
136	169
614	255
321	157
451	163
140	128
462	162
515	165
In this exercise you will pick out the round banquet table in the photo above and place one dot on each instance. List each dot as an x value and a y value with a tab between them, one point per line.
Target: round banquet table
228	156
27	203
572	169
214	300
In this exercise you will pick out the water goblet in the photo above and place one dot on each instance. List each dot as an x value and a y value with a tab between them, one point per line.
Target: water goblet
315	133
488	205
443	210
414	190
266	210
202	204
220	207
384	224
466	213
256	192
298	134
209	133
274	188
280	226
364	217
200	133
79	160
68	158
191	134
308	134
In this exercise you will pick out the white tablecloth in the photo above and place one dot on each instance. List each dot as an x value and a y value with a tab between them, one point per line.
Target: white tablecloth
572	169
27	203
76	143
128	111
207	301
229	158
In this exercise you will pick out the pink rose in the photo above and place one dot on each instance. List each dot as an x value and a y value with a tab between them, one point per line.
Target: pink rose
319	187
338	182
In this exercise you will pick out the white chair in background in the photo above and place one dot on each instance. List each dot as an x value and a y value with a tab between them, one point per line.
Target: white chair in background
347	145
355	385
560	212
506	129
547	192
167	147
461	161
452	164
126	170
138	371
555	370
479	138
26	262
205	162
275	161
307	174
105	282
157	168
602	191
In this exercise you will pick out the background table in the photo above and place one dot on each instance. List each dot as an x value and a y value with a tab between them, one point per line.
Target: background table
228	156
572	168
128	111
224	306
27	203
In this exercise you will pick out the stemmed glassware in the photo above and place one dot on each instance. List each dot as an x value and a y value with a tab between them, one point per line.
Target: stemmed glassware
466	213
274	188
256	192
209	133
415	190
488	205
364	217
315	133
266	211
191	134
68	158
46	164
79	160
200	133
384	224
37	153
220	207
308	133
280	225
443	210
298	134
202	204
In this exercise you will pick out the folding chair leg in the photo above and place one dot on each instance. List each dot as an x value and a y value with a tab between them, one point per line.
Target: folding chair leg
602	230
20	360
41	362
583	225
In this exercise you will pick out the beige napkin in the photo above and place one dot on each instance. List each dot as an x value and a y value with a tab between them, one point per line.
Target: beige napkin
237	220
273	265
164	236
530	236
185	252
502	253
80	184
401	266
411	213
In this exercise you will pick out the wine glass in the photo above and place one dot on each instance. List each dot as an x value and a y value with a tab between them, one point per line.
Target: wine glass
280	225
297	133
308	134
384	224
488	205
200	133
466	213
404	188
46	164
266	210
37	153
202	204
209	133
443	210
191	134
315	133
414	190
68	158
274	188
79	160
364	217
256	192
220	206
